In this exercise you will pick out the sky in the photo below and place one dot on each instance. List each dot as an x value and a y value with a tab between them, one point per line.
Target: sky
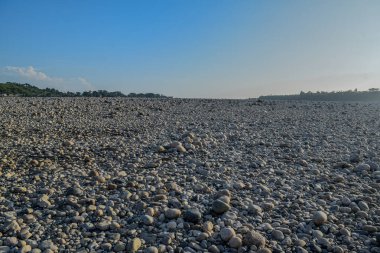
192	48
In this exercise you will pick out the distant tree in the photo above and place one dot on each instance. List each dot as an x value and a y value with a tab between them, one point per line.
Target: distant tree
27	90
372	94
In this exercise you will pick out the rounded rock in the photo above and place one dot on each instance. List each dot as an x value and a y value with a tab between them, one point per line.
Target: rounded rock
151	249
213	249
363	206
235	242
254	238
255	209
338	249
264	250
220	207
25	248
172	225
147	219
134	245
227	233
119	247
192	215
172	213
277	235
319	218
345	231
208	226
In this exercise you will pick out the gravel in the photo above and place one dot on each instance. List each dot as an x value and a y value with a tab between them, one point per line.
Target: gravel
188	175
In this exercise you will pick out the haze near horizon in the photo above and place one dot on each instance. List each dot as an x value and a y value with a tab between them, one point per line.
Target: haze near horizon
207	49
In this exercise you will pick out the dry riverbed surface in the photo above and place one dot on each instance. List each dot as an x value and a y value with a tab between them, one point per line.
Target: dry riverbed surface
176	175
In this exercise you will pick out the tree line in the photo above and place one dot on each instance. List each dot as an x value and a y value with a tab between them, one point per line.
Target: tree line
372	94
27	90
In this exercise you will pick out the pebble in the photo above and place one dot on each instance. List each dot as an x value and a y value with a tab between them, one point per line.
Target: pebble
172	213
25	248
213	249
319	218
345	231
227	233
151	249
338	249
255	209
76	191
11	241
363	206
277	235
13	227
220	207
172	225
192	215
370	228
235	242
147	219
264	250
119	247
134	245
4	249
254	238
106	246
48	245
299	249
104	225
208	226
267	206
300	242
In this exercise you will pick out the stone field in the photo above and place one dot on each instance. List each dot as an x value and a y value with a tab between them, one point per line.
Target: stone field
188	175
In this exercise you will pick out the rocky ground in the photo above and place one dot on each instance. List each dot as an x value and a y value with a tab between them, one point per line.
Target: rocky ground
124	175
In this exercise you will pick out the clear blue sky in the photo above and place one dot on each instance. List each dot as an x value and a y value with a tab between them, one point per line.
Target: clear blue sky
193	48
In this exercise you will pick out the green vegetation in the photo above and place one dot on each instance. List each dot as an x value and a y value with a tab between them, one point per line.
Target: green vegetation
372	94
27	90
